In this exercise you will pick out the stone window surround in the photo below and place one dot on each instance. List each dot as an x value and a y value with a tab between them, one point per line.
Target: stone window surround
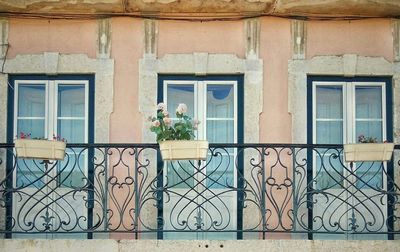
348	65
53	63
203	64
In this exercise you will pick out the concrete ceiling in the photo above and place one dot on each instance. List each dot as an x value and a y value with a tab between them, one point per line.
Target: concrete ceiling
165	8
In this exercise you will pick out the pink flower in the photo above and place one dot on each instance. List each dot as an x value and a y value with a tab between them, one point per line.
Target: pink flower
167	121
181	109
195	124
162	106
165	113
156	123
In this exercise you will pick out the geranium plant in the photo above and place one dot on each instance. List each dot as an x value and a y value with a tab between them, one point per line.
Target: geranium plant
23	135
165	129
364	139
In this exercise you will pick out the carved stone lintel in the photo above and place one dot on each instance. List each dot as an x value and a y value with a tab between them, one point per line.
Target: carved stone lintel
350	65
252	28
51	63
299	35
150	37
104	39
200	63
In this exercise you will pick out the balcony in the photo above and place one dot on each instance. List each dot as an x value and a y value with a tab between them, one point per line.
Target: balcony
242	191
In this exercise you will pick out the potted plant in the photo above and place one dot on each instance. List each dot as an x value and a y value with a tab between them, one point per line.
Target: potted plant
39	148
176	140
368	149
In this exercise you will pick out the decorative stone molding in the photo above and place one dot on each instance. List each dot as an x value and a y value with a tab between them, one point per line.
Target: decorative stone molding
103	38
349	65
299	34
252	28
345	65
51	63
150	37
3	78
200	63
3	38
204	64
396	45
66	64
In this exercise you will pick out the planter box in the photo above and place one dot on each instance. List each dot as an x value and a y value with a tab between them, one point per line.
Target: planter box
40	149
368	152
184	150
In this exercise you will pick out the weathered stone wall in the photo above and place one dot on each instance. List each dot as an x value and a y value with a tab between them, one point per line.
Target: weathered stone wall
195	245
326	8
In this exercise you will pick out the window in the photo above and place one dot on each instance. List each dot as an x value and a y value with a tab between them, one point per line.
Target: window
49	107
342	111
216	102
45	107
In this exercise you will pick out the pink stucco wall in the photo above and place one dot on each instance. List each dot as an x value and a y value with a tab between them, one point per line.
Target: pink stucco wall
211	37
33	36
275	51
367	37
127	49
372	37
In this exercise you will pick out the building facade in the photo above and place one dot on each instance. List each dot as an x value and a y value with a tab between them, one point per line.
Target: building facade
277	96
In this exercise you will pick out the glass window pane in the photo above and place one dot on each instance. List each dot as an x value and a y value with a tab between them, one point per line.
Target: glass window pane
180	94
368	102
220	101
72	130
29	173
72	169
329	102
369	175
329	132
220	172
35	127
220	131
71	101
180	174
329	172
369	129
31	100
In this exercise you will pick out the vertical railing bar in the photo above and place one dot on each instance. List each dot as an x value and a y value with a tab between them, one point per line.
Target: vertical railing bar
263	192
9	188
105	198
160	196
240	187
295	207
90	191
136	191
390	183
309	186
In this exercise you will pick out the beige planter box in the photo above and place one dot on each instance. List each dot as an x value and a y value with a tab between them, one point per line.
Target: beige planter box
184	150
368	152
40	149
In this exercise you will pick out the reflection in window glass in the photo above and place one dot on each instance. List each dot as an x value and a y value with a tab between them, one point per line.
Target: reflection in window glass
180	94
329	102
31	100
220	101
71	101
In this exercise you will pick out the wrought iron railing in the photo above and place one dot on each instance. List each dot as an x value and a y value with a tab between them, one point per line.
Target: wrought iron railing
241	191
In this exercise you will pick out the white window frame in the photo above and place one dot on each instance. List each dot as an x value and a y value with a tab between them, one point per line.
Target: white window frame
349	111
200	113
51	109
